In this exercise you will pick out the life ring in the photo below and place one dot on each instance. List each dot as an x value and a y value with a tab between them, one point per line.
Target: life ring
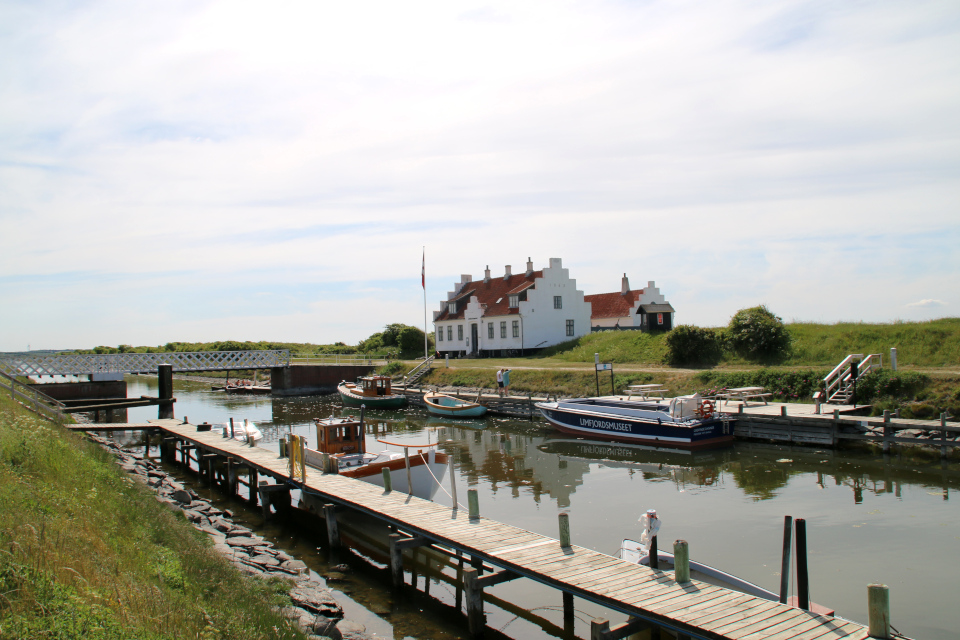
706	409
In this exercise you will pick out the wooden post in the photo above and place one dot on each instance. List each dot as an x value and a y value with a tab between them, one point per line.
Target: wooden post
599	628
783	411
474	596
333	531
473	502
569	618
785	558
878	610
146	442
406	459
564	529
325	462
283	448
740	409
681	561
453	482
943	435
252	485
886	431
387	480
264	499
231	428
803	581
165	377
654	554
396	560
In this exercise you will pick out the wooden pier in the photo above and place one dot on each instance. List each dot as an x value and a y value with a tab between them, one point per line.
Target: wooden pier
690	609
513	405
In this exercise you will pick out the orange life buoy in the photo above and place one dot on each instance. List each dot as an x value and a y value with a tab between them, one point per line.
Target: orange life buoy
706	408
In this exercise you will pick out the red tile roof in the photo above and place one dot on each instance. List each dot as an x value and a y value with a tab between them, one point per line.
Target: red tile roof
495	295
612	305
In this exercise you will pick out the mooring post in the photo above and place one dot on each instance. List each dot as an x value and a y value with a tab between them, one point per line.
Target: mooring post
252	485
333	531
406	460
453	482
473	503
654	554
783	411
943	435
165	393
474	596
681	561
264	498
599	628
886	430
878	610
146	443
396	560
283	448
564	519
785	558
387	480
803	580
325	462
231	427
569	618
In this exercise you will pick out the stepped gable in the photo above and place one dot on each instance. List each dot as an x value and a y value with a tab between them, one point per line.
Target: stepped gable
612	305
493	295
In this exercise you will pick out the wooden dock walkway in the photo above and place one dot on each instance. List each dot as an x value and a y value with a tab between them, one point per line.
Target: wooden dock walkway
692	609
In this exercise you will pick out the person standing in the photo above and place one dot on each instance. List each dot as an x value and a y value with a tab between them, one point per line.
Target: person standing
500	382
506	382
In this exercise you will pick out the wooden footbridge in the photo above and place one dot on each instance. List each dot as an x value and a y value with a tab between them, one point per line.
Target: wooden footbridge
651	597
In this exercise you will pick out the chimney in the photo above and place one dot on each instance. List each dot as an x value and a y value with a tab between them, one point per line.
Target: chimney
624	286
529	267
507	274
486	275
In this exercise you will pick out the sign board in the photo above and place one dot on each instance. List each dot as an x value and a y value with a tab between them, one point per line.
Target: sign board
605	367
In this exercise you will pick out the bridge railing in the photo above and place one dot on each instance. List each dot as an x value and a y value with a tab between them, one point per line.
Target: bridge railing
85	364
343	359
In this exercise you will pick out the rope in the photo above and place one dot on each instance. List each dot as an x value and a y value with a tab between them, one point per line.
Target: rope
435	479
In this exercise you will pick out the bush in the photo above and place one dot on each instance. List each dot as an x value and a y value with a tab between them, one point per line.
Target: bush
757	334
687	344
885	383
786	386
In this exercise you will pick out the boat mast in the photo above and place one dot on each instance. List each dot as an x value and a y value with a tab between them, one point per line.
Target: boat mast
423	282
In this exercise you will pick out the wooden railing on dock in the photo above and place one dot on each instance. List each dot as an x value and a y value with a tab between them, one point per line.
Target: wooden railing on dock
691	609
33	399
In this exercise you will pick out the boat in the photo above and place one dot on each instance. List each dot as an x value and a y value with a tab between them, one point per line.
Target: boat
242	430
441	404
683	422
258	389
342	440
372	391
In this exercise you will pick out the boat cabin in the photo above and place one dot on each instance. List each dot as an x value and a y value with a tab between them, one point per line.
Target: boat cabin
340	435
373	386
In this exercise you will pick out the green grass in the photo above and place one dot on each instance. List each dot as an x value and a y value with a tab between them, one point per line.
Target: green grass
86	552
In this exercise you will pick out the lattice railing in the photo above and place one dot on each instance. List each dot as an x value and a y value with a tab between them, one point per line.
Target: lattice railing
81	364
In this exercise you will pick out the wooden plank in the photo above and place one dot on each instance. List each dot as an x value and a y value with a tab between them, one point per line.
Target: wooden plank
794	625
755	615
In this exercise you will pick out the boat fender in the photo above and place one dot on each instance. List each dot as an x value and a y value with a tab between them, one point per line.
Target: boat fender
651	525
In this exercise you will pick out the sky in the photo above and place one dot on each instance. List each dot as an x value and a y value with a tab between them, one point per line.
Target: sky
206	170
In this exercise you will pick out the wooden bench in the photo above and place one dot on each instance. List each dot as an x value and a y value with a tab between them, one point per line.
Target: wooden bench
645	391
744	394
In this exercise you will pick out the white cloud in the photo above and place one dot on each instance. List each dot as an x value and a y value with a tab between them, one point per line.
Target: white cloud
735	152
926	303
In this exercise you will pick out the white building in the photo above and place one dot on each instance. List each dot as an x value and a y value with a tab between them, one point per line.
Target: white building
512	314
645	308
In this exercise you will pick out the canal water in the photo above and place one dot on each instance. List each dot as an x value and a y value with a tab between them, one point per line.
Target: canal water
870	518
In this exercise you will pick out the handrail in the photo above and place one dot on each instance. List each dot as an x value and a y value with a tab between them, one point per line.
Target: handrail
408	446
840	366
41	404
341	359
85	364
840	379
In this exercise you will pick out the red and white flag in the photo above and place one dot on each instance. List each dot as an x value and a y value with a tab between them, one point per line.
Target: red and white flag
423	270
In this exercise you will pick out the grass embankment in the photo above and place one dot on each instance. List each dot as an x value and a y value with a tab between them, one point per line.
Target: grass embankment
86	552
935	343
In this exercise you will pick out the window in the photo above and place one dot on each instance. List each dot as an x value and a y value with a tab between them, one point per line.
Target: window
516	328
450	332
453	308
490	330
514	302
440	334
459	332
503	329
558	302
569	327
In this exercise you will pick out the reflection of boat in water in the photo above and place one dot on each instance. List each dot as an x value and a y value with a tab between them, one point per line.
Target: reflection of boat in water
343	441
686	421
443	405
605	451
242	431
372	391
438	423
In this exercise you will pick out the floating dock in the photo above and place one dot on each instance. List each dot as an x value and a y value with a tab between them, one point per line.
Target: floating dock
653	598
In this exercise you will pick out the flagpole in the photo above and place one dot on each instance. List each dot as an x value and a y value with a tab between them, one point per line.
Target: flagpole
423	280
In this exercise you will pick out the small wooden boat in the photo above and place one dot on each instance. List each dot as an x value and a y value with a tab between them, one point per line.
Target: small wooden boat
240	431
372	391
256	389
344	443
441	404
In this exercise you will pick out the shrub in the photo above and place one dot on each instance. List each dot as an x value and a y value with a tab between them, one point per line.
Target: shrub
687	344
886	383
757	334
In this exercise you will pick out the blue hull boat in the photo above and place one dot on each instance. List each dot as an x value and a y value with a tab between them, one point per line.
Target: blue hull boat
684	422
440	404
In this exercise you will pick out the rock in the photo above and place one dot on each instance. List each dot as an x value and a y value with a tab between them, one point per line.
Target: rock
236	531
334	576
323	626
317	600
350	630
293	565
242	542
182	496
281	556
265	560
193	516
342	568
221	525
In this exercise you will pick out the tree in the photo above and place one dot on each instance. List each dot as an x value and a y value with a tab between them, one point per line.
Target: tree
757	334
687	344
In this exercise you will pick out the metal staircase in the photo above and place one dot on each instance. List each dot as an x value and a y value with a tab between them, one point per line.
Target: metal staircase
838	384
419	371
